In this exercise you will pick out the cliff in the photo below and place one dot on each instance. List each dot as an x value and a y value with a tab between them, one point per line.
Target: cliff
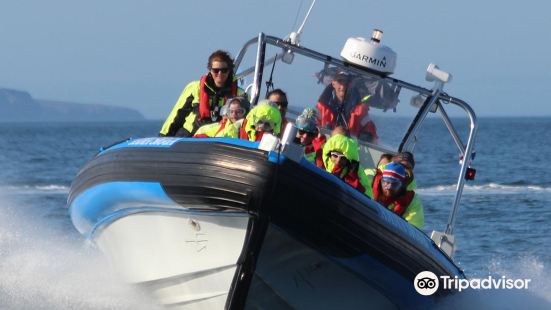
20	106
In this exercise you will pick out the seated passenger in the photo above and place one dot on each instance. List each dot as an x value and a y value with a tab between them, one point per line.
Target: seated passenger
339	130
389	189
384	159
279	98
406	159
233	113
264	118
339	106
309	137
341	158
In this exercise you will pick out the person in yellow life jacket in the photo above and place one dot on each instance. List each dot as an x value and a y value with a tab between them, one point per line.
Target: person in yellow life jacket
389	189
264	118
233	113
309	137
341	158
200	101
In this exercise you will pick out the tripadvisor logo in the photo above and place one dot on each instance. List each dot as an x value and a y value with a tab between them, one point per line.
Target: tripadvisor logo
426	283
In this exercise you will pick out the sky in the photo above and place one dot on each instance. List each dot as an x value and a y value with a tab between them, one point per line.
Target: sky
141	53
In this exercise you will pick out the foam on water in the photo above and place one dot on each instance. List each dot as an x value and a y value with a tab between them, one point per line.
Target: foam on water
33	189
526	267
45	268
488	189
536	296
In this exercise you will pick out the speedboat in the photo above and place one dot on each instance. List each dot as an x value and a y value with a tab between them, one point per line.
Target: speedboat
227	223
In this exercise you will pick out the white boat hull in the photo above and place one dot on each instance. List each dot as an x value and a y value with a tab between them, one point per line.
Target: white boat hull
186	261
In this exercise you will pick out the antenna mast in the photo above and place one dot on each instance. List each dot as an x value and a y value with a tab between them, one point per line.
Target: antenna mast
294	37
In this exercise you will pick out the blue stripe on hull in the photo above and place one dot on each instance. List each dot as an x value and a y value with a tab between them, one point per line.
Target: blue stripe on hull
167	142
101	201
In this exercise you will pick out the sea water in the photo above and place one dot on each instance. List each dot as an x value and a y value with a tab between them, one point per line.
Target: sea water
502	229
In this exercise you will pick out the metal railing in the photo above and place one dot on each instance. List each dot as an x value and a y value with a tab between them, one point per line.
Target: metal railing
434	97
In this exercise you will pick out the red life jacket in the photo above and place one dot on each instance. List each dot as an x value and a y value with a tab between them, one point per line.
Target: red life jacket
401	203
317	146
205	106
242	133
356	116
350	177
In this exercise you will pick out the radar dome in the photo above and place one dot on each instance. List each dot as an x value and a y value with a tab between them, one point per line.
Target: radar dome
370	54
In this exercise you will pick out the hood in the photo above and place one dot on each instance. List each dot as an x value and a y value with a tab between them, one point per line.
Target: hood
343	144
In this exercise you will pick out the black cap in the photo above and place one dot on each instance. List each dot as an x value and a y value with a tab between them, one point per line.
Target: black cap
405	156
342	76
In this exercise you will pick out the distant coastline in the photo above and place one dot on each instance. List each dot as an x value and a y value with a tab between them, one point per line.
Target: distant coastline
20	106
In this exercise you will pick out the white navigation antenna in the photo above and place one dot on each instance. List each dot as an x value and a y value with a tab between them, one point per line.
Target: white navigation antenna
294	37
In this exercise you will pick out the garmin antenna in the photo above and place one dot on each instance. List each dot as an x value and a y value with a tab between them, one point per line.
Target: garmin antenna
294	37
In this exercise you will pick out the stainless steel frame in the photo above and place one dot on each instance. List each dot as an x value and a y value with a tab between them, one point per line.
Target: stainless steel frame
434	97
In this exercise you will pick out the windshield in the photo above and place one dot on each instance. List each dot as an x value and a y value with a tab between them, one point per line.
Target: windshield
392	111
375	110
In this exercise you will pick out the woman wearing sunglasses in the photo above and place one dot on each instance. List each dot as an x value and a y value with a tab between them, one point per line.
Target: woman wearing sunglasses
200	102
341	158
390	190
233	113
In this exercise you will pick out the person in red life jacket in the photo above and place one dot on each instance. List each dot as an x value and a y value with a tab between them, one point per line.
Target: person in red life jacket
389	189
340	105
279	98
233	114
308	135
341	158
264	118
200	101
406	160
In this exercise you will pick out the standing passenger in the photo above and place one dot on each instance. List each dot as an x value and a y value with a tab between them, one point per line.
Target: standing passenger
200	102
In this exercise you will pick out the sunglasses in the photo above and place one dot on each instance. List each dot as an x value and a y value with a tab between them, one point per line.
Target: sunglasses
282	104
337	155
220	70
237	111
302	132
